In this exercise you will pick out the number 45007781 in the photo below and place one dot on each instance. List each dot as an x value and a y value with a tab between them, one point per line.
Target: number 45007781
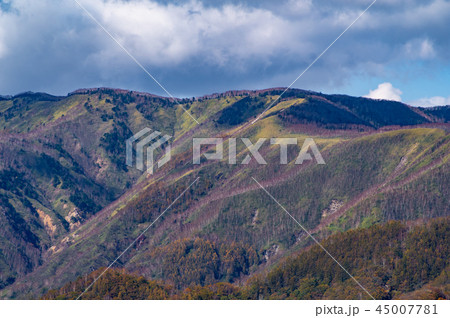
407	309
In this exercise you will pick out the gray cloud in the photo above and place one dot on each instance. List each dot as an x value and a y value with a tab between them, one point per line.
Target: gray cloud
196	48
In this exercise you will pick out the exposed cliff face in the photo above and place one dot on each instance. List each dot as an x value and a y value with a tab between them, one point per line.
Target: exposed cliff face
48	222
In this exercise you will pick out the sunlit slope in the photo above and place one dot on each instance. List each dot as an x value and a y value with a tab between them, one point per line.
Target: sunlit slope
226	205
77	204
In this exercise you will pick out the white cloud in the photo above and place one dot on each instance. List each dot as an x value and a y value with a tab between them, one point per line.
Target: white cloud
385	91
431	101
172	34
298	7
420	49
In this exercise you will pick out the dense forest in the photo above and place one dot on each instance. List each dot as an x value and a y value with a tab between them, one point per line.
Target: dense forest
394	260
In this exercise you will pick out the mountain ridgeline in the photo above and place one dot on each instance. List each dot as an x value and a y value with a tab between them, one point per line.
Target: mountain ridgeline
69	204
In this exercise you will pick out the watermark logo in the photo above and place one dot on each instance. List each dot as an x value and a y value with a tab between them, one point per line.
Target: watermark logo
253	148
148	141
145	145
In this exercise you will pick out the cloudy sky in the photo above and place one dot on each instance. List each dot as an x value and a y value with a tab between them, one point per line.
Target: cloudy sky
399	49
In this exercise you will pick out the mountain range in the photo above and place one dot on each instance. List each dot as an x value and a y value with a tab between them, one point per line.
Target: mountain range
69	204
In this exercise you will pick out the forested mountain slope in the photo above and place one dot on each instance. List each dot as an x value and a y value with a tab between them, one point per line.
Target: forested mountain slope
392	261
70	205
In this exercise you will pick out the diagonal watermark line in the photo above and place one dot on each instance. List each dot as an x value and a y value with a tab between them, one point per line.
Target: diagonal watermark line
313	62
313	238
134	59
140	235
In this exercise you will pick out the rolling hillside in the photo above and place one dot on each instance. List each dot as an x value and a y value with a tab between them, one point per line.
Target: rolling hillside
70	205
392	260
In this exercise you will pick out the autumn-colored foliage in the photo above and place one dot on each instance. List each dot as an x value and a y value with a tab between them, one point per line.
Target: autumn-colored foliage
393	260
